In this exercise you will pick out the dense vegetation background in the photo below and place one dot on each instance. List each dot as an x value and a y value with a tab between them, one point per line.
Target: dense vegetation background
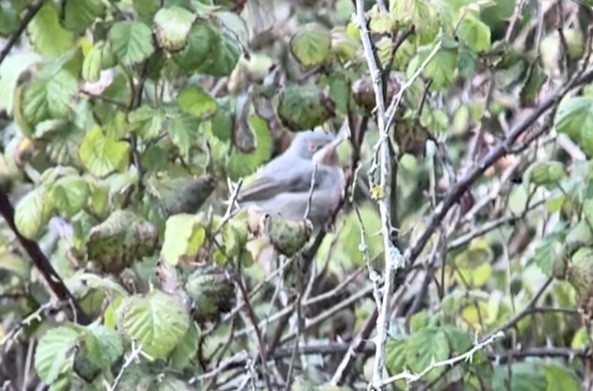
461	257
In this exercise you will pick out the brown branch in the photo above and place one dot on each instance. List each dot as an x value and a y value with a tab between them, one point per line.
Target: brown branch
492	157
32	10
41	262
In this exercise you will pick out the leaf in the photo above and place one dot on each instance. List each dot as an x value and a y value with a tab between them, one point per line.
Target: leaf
474	33
574	115
50	97
55	352
194	100
69	195
526	376
425	347
311	45
561	378
202	40
395	354
32	213
184	236
104	346
157	322
122	237
184	352
79	15
549	250
146	121
182	130
131	41
172	26
545	173
241	164
441	69
222	59
304	107
47	35
102	155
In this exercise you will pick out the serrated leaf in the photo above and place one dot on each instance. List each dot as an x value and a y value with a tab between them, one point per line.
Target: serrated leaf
311	45
122	237
69	195
50	97
561	378
182	130
475	33
545	173
425	347
105	347
102	155
146	121
184	352
442	68
33	212
55	352
304	107
574	115
184	236
79	15
194	100
202	40
47	35
157	322
172	26
527	376
549	250
241	164
223	58
131	42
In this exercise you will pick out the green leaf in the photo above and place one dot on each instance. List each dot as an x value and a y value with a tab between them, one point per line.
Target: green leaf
124	236
311	45
146	121
441	69
69	195
545	173
561	378
131	42
184	352
574	115
184	236
474	33
157	322
172	27
304	107
241	164
55	352
79	15
102	155
425	347
527	376
33	212
194	100
98	58
222	60
395	354
50	97
47	35
9	19
182	130
201	41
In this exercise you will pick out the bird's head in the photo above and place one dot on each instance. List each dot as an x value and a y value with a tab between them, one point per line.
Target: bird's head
307	143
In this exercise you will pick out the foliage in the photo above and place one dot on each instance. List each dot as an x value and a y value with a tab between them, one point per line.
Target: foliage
126	125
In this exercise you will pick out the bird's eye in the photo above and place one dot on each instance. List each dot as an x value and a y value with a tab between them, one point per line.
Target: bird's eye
312	147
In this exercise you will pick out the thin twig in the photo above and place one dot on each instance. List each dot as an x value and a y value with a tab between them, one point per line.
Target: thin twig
32	10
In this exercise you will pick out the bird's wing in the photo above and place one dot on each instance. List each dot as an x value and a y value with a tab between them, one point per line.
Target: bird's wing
288	179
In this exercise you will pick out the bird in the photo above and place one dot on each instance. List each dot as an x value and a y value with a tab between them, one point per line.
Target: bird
291	171
306	182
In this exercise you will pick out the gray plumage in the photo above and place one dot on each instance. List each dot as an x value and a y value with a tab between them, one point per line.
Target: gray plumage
282	187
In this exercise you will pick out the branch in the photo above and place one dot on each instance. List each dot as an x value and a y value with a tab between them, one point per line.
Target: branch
32	10
41	262
393	257
499	151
